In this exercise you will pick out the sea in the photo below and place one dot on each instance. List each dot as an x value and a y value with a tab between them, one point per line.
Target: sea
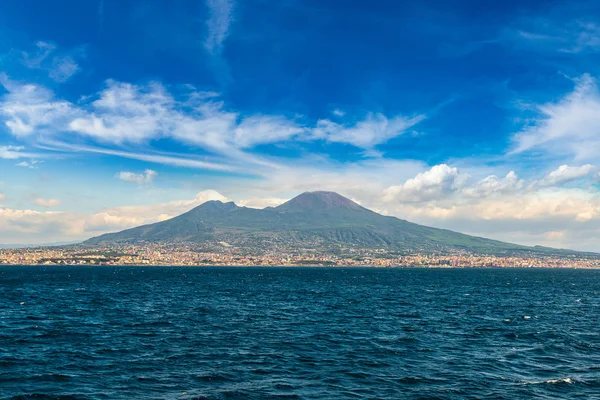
298	333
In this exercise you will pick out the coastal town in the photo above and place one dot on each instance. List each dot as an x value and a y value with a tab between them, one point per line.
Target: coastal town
226	255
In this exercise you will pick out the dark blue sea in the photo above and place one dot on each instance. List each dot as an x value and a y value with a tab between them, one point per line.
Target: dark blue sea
298	333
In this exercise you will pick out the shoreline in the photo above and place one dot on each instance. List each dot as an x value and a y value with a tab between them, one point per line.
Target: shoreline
314	266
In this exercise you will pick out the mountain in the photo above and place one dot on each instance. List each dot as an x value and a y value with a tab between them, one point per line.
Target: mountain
310	220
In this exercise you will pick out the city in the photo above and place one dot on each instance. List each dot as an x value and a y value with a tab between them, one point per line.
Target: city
226	255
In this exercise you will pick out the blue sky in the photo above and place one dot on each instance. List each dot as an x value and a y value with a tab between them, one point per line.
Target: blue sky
482	117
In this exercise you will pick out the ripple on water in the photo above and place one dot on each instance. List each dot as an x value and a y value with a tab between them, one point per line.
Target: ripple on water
297	333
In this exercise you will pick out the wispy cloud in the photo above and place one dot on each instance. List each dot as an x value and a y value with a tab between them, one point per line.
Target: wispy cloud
29	107
124	114
158	158
535	36
32	164
47	202
569	126
15	152
574	37
367	133
36	58
143	178
218	28
263	129
59	65
218	24
11	152
586	39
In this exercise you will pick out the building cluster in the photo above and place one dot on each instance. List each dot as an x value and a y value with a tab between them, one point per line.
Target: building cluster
227	255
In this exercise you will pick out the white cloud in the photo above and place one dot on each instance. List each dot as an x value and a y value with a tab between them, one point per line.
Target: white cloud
338	113
264	129
16	152
160	158
60	66
448	185
373	130
494	185
218	24
2	197
576	204
124	114
29	109
144	178
28	164
565	174
10	152
154	212
29	226
47	202
127	113
524	217
364	179
439	181
262	202
508	208
568	127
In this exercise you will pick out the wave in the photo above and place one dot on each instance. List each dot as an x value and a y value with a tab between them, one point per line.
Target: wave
551	381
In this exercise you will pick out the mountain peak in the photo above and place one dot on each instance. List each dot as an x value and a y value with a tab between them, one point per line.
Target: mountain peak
318	201
216	206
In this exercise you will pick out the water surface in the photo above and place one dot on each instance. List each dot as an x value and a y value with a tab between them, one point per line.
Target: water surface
298	333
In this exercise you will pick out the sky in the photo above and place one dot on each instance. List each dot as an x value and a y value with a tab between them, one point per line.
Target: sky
477	116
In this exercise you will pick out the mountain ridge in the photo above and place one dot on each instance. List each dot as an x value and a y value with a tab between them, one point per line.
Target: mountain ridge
322	200
318	220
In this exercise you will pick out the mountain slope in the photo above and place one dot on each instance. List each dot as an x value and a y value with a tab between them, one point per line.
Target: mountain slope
310	220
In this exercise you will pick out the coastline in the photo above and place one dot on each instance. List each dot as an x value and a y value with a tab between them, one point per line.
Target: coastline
189	255
291	266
